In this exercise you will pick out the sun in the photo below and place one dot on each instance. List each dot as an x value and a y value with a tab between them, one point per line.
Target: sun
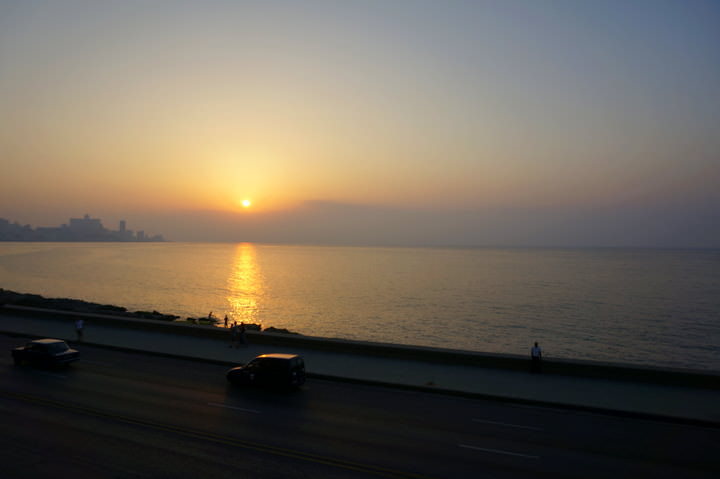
246	203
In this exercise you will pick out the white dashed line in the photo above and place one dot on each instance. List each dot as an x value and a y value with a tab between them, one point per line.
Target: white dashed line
214	404
54	375
497	451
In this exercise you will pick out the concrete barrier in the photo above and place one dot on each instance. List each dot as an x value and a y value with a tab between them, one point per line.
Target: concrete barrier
581	368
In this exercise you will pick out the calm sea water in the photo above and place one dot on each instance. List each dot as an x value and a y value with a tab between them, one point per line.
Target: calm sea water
656	307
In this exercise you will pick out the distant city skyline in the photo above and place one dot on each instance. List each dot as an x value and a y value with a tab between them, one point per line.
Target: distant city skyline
411	122
76	229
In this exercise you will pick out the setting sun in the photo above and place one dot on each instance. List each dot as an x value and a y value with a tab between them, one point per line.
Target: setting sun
246	203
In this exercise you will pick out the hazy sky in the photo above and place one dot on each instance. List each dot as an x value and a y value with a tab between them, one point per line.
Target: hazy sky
502	122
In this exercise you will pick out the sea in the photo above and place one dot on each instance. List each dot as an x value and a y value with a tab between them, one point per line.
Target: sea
656	307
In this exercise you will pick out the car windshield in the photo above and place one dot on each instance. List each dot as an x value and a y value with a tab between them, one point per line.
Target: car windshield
58	347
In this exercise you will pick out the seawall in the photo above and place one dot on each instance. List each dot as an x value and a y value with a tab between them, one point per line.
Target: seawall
580	368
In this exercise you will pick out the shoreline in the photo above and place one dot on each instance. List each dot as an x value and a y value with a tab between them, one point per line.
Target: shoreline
78	306
8	297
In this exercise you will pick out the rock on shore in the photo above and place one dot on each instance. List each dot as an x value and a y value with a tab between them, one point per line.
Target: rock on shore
80	306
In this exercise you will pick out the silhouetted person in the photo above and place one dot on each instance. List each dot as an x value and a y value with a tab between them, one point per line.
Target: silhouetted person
243	338
79	325
536	355
234	335
226	320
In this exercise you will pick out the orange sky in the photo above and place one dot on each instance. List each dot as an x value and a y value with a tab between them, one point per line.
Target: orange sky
157	110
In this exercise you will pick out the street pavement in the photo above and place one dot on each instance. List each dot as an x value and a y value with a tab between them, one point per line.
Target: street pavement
654	401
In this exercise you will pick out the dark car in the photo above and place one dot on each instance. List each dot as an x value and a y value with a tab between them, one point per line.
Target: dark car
45	352
270	370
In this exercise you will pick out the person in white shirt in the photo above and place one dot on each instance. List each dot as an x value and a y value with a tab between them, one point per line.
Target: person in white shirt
79	324
536	355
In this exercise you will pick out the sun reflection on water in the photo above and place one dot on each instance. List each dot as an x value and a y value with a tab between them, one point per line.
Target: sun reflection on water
245	285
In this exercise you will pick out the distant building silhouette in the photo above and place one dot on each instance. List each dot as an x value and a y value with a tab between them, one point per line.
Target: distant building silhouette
77	229
87	227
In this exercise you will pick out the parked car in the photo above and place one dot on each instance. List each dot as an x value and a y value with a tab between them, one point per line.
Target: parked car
270	370
45	352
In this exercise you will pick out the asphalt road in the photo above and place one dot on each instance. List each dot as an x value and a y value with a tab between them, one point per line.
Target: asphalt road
128	415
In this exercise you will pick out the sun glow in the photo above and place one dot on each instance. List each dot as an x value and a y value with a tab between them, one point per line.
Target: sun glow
245	285
246	203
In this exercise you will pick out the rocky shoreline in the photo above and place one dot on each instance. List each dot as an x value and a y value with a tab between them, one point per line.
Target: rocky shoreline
81	306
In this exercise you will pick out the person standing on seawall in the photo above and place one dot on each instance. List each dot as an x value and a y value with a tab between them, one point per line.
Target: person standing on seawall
79	325
536	355
234	335
243	335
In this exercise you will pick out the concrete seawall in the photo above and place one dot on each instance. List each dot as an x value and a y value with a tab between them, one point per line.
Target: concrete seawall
580	368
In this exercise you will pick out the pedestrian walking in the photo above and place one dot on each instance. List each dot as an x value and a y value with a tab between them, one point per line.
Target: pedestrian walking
226	321
233	335
536	355
79	326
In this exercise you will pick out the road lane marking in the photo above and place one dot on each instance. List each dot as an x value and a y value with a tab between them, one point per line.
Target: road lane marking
498	451
52	375
214	404
517	426
218	438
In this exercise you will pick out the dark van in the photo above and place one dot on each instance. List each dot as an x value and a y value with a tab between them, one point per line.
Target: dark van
270	370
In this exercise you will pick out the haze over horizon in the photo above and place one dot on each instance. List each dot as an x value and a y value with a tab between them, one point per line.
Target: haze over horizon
503	123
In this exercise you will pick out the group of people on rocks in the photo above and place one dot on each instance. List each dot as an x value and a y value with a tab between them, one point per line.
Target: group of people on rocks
237	332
